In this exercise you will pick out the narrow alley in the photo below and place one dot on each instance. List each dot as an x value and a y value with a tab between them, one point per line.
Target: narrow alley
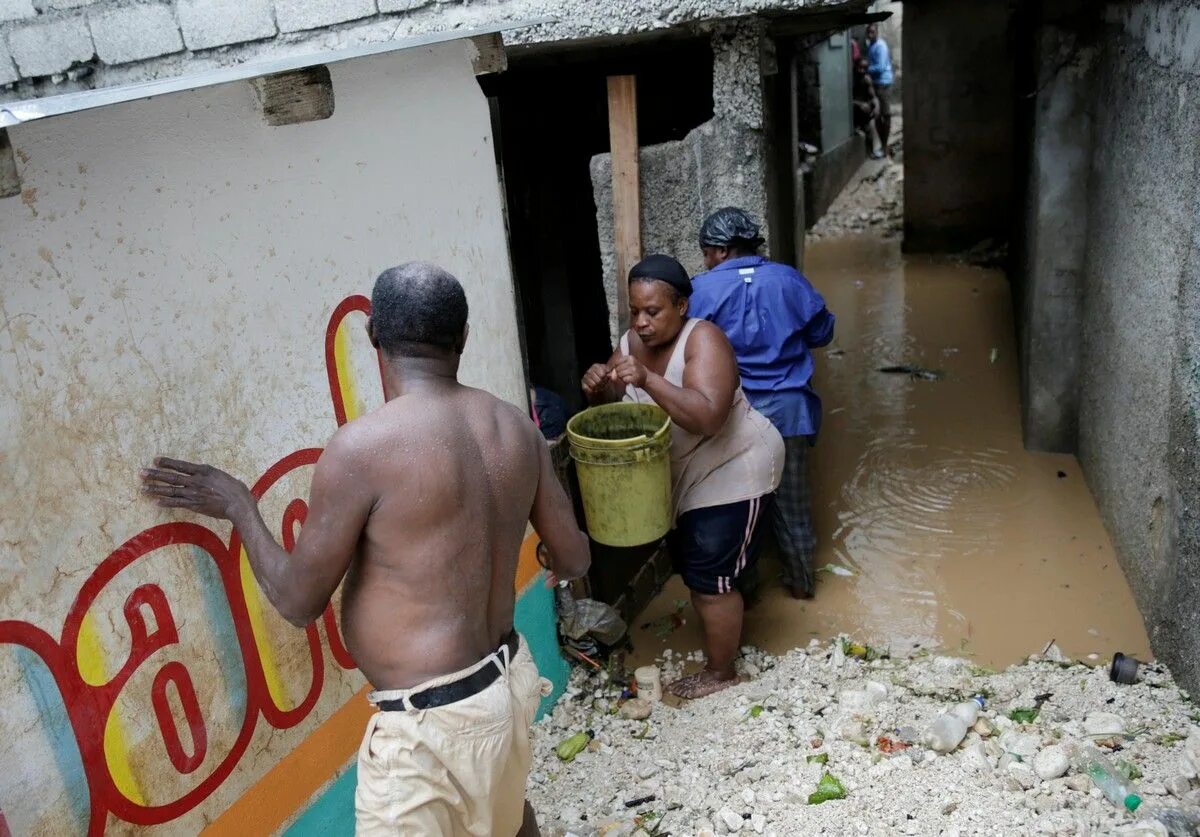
923	490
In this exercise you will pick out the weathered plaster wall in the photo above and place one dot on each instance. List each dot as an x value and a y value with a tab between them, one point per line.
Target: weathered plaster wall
958	123
54	45
179	277
720	163
1139	422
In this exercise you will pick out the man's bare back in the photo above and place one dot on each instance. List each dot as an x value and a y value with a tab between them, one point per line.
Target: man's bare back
431	590
421	506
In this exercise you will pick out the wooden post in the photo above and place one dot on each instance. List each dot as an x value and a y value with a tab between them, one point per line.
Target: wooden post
627	207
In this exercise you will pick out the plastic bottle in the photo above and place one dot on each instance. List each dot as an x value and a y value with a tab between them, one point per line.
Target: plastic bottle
946	733
1117	789
968	710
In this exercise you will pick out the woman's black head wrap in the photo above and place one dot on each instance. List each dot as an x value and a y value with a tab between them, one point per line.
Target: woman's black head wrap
665	269
730	227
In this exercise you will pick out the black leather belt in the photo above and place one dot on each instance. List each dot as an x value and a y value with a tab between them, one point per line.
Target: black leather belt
448	693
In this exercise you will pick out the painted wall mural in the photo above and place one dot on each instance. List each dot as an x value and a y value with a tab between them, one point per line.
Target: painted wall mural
97	707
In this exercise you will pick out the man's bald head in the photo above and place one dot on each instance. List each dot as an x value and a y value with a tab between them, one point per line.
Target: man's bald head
418	310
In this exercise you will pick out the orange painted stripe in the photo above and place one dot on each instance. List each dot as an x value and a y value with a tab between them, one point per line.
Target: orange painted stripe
289	786
527	564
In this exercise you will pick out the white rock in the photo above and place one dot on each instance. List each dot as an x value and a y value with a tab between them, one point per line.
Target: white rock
1024	774
1178	786
758	822
975	758
1191	753
731	819
748	796
1021	744
636	709
1051	762
1100	724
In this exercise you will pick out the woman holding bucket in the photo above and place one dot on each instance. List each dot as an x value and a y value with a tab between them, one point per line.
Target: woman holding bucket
726	459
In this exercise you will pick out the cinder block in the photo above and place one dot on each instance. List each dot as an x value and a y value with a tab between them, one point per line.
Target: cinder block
64	5
297	15
132	33
8	73
45	48
214	23
16	9
389	6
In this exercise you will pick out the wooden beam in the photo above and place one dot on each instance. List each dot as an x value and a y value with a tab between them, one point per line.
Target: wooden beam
627	206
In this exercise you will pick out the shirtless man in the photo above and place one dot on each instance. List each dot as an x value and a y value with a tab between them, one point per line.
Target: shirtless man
422	505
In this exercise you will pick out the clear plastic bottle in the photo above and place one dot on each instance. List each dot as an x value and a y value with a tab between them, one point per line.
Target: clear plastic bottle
946	733
1116	788
968	710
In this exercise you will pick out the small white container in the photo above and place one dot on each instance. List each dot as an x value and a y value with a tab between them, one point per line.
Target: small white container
649	682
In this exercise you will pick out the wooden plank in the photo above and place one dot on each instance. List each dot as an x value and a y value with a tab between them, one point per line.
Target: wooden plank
627	207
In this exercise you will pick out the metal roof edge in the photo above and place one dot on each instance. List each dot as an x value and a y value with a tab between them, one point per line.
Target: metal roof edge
29	110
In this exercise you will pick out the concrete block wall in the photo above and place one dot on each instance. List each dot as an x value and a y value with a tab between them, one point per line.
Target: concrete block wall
1139	402
54	46
719	163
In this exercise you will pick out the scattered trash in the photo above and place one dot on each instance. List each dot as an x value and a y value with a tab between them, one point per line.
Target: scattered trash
1062	475
753	712
1116	789
914	372
828	788
664	626
1024	716
1123	670
819	758
994	356
573	746
641	800
835	569
887	744
649	682
578	618
950	728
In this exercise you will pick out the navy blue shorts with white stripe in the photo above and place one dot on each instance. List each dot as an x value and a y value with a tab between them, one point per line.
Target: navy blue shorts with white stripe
711	547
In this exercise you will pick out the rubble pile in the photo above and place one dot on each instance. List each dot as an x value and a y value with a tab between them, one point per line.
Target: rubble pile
874	203
833	739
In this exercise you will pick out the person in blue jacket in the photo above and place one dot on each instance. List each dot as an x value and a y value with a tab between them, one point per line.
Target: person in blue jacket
879	65
774	318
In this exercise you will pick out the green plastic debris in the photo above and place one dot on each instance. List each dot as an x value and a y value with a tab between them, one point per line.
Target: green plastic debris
828	788
755	711
1024	716
819	758
1128	769
573	746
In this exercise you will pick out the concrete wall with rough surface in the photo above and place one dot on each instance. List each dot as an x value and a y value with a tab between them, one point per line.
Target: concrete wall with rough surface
1055	245
1139	421
180	277
50	46
958	123
720	163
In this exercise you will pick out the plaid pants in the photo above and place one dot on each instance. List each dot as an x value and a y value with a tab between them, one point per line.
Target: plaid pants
791	516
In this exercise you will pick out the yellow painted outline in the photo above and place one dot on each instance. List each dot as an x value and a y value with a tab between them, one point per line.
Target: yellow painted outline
345	369
258	627
93	668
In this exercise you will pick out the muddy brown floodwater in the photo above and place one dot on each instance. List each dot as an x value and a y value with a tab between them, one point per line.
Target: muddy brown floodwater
958	538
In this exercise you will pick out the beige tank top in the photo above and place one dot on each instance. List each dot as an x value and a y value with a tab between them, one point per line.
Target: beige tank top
743	461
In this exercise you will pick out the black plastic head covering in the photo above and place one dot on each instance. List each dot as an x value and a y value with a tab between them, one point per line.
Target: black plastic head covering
729	227
665	269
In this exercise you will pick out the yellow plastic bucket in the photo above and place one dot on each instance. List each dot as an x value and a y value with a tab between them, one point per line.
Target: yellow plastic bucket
622	455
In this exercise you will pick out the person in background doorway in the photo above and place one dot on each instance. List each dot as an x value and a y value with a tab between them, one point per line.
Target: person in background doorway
879	65
548	411
422	505
726	459
866	104
774	318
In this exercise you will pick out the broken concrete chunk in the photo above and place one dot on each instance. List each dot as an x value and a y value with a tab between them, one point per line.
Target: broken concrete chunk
731	819
636	709
1100	724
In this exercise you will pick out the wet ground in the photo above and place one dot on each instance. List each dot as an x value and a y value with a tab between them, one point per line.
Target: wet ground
958	539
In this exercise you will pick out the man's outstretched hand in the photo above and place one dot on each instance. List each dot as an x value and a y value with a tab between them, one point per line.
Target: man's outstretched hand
206	490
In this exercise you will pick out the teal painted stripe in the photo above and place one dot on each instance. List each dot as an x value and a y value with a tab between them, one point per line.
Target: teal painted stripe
332	812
